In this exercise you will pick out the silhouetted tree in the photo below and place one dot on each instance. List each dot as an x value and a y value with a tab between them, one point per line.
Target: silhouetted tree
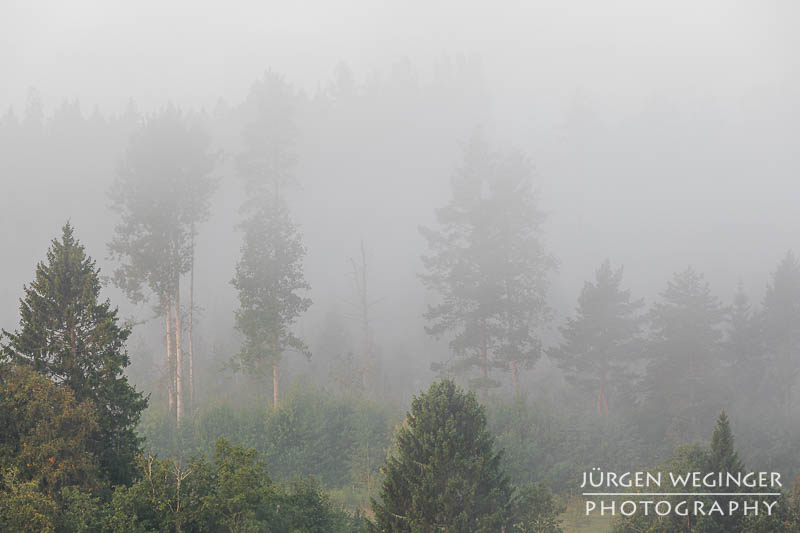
600	340
488	267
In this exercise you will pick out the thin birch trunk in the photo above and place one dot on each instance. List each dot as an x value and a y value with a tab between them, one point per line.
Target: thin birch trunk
275	385
178	358
191	339
170	354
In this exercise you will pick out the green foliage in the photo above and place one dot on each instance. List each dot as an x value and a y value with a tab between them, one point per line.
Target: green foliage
537	511
444	473
488	266
48	436
339	440
70	336
233	493
23	507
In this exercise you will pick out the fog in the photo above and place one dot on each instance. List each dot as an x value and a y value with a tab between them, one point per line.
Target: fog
662	135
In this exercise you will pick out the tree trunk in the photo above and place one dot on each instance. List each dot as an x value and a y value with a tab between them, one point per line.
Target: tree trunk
178	358
515	378
275	385
170	355
191	323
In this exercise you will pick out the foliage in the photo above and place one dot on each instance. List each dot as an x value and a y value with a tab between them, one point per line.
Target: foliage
444	473
69	335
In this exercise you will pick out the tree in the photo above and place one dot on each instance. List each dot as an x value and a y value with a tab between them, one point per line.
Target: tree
71	336
779	324
162	193
684	353
599	341
722	458
268	278
488	267
269	274
444	474
743	351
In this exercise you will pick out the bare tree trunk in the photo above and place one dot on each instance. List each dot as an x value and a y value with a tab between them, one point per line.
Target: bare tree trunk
178	358
191	324
170	355
515	378
275	384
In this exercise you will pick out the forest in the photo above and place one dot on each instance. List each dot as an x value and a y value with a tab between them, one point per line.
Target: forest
392	301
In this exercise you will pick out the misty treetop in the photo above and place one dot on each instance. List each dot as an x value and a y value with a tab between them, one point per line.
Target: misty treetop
162	194
488	266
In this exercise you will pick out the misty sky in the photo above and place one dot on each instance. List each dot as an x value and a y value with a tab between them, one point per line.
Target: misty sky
663	133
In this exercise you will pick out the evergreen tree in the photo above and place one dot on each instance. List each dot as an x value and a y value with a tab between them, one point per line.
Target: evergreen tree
71	336
685	354
268	277
744	367
488	267
269	274
444	474
599	340
779	324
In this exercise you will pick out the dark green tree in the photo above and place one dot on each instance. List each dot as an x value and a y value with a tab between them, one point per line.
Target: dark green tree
488	267
444	474
600	341
685	353
71	336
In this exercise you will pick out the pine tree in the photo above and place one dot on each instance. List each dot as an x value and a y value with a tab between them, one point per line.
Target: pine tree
488	267
779	324
269	274
269	277
71	336
599	342
743	353
162	193
444	474
685	353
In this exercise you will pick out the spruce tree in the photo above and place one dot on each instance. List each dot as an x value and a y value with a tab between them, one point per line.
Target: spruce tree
70	335
685	354
779	324
599	341
444	474
488	267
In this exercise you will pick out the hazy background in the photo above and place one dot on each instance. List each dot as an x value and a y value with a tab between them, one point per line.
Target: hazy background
663	134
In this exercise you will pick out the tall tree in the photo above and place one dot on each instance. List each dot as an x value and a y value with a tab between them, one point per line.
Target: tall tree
600	340
269	275
685	351
73	337
488	266
162	193
779	324
445	474
269	278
